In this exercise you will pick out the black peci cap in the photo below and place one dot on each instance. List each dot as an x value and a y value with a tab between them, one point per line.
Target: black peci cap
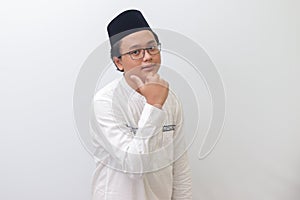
127	22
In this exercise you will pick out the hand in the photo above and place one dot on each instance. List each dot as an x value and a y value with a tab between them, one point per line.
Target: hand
155	89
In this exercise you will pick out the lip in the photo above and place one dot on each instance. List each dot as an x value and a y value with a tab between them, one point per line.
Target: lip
148	67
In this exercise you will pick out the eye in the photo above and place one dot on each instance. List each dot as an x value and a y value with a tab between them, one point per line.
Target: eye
152	48
135	52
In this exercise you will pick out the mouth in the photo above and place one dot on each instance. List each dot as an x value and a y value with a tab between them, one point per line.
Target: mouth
148	67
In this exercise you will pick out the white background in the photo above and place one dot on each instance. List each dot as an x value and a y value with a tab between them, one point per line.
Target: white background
254	44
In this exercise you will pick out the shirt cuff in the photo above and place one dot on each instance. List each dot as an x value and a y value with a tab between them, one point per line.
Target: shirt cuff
151	116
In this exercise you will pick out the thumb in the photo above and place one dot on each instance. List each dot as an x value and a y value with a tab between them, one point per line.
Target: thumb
137	81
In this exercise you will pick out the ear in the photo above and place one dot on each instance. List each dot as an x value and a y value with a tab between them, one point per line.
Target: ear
118	63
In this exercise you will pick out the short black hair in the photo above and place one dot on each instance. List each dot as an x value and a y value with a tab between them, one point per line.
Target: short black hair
115	49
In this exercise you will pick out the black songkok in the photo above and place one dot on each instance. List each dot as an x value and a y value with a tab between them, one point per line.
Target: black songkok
127	22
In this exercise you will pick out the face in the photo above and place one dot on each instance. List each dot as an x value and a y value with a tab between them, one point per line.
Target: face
138	40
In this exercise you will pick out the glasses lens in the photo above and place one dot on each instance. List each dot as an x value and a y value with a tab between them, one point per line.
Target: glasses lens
140	53
136	54
154	49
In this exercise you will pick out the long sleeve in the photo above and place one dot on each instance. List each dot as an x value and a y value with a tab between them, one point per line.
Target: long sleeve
130	152
182	181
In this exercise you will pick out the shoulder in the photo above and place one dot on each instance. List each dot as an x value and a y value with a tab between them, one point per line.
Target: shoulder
107	90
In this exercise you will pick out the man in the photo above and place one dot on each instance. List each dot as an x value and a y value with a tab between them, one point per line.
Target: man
140	150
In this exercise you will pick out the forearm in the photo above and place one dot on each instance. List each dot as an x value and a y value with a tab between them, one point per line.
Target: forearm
130	152
182	180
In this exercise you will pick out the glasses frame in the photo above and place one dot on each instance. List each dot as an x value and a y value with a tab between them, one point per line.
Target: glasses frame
143	52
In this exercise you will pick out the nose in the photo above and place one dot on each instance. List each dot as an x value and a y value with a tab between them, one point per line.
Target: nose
147	56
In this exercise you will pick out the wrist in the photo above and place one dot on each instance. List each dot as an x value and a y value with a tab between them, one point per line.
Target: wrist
157	105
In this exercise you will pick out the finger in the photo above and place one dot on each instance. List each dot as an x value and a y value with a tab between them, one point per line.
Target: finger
137	81
152	77
165	84
150	74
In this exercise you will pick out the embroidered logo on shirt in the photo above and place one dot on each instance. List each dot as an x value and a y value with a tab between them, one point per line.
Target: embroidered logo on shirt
132	129
164	129
168	128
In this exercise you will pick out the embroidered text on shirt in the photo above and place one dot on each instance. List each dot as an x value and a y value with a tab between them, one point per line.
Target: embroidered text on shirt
168	128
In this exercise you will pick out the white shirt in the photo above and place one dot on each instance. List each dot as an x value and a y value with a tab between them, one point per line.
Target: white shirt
140	149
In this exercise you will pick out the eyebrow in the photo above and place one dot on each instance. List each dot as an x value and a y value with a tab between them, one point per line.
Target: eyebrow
138	46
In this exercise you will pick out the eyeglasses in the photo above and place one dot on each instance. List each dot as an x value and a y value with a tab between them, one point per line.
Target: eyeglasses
140	53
